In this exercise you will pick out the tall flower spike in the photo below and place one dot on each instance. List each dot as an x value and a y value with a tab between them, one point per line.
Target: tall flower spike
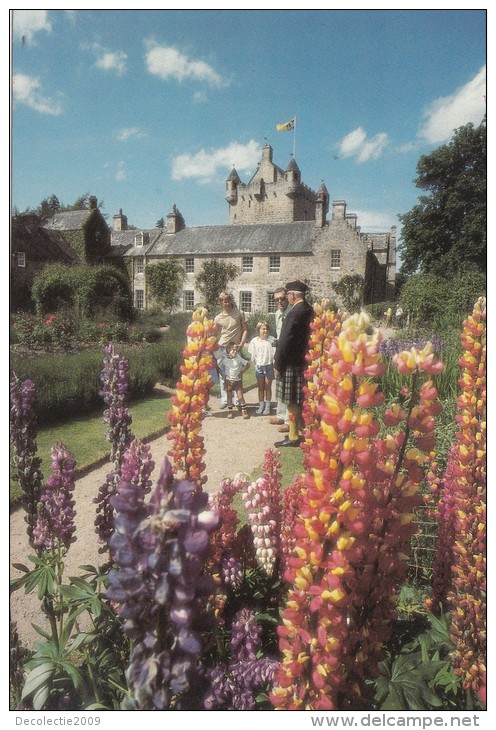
467	597
192	393
263	504
158	584
325	325
115	385
352	535
26	465
55	523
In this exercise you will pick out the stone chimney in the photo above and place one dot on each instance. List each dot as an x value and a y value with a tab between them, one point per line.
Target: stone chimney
175	221
92	202
338	210
119	222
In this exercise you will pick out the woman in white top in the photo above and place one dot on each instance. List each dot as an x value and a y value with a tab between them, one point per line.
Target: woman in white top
261	349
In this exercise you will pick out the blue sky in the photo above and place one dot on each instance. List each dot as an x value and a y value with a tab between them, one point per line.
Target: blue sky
146	108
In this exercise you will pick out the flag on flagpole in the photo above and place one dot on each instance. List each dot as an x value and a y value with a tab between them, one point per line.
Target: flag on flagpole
287	126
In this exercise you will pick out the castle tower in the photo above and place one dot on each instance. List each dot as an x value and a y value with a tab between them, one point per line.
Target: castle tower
272	195
321	206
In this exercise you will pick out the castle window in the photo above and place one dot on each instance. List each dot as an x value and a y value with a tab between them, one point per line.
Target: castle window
188	300
274	263
139	299
140	263
21	259
336	259
247	264
189	265
245	300
271	303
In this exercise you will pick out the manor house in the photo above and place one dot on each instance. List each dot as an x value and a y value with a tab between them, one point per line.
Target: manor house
278	231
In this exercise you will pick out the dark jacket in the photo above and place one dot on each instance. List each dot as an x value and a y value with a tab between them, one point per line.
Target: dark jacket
292	344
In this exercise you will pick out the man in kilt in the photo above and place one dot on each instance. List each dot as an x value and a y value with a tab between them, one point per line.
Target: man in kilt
290	363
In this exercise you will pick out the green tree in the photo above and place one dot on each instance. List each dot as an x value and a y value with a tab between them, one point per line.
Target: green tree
350	289
48	207
164	280
430	300
214	278
445	233
160	223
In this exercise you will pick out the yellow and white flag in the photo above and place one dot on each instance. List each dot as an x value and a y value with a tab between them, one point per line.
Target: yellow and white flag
287	126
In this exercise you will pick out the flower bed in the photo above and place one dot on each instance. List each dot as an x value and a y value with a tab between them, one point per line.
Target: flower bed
297	609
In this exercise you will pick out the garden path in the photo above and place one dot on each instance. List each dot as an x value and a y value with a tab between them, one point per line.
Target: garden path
231	446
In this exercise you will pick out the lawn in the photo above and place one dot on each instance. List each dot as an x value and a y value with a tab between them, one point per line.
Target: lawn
85	436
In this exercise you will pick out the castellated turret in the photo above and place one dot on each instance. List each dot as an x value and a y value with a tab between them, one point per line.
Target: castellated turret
232	183
293	178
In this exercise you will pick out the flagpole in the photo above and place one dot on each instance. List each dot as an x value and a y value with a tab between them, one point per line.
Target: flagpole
294	139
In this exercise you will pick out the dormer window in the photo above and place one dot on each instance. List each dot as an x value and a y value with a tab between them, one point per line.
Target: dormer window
140	239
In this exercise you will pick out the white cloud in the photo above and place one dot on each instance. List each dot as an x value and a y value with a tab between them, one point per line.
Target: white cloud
27	90
356	144
121	173
206	164
448	113
110	60
128	132
26	23
167	62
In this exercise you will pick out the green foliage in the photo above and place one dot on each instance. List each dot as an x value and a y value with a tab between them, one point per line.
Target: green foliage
419	676
84	289
164	280
214	278
445	233
376	310
70	668
431	300
350	288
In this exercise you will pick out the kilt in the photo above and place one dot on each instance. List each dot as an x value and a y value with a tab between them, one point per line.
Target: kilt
289	388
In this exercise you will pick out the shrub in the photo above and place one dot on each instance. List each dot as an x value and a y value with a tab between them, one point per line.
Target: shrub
70	382
83	289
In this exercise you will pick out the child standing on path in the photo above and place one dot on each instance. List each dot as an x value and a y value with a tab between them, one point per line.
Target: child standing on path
232	366
262	349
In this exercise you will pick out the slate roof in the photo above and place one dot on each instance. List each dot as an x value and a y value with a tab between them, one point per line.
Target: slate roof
123	241
263	238
71	220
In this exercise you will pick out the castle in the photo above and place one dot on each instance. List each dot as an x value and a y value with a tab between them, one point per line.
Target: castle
278	231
